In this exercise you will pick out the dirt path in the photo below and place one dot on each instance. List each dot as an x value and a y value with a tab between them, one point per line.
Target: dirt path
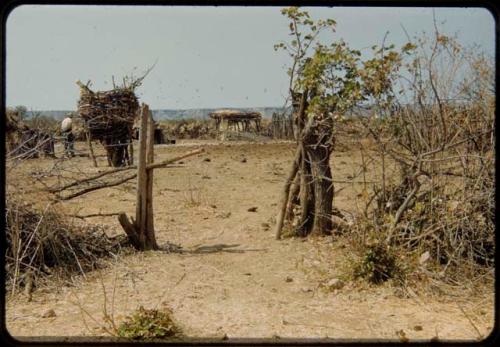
234	279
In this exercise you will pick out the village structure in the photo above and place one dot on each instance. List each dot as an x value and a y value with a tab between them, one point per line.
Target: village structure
227	121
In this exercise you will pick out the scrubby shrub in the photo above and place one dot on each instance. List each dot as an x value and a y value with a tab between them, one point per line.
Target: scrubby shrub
438	196
149	324
377	264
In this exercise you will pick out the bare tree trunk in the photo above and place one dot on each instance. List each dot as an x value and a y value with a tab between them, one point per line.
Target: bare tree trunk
323	190
306	195
311	173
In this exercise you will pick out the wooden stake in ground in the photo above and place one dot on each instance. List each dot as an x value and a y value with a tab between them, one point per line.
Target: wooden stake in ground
286	192
142	184
150	233
91	149
137	232
141	232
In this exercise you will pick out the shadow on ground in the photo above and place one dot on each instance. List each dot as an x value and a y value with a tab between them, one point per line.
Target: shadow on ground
209	249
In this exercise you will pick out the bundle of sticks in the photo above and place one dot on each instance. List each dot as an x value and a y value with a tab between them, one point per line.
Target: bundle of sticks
109	117
42	243
108	113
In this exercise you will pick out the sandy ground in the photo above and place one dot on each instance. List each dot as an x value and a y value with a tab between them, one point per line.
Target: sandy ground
235	279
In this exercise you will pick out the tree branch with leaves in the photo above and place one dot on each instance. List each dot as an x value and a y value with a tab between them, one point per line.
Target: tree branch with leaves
326	82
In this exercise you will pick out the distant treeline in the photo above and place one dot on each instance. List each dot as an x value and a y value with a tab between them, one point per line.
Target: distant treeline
195	113
167	114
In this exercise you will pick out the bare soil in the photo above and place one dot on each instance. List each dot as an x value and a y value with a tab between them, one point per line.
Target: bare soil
234	278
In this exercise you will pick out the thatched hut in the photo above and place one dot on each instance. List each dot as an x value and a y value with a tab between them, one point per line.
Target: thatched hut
235	120
109	117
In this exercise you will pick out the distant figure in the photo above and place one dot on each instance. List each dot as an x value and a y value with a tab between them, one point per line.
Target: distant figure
69	138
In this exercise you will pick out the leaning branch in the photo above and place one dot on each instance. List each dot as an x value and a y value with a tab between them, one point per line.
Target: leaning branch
173	160
124	179
110	214
286	192
97	187
89	179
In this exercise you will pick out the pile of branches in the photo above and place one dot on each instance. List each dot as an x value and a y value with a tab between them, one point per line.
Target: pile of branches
109	117
25	140
443	203
108	113
438	205
41	243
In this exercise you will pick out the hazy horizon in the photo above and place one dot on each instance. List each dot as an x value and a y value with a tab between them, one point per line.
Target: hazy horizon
206	57
154	109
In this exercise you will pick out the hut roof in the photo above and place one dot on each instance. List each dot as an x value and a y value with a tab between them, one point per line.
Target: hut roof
234	114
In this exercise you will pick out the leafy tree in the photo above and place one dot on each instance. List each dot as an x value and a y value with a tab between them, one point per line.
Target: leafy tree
326	82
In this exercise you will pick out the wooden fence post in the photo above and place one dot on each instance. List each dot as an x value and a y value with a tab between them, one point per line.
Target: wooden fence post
150	232
141	232
140	212
91	149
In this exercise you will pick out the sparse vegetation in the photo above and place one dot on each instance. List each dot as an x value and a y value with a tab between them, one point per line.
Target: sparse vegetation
145	324
429	115
377	264
389	191
326	82
440	197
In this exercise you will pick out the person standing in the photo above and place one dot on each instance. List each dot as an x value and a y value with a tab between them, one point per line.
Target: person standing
67	133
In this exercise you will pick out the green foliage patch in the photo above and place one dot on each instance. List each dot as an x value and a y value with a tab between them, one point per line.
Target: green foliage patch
149	324
378	264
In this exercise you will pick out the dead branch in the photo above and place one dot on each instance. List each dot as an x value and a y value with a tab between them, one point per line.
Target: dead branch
286	191
129	228
171	161
400	212
115	182
97	187
91	215
88	179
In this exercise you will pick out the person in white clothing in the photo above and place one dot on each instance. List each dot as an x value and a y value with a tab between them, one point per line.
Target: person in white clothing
69	138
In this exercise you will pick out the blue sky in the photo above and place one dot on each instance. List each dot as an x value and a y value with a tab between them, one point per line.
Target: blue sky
207	57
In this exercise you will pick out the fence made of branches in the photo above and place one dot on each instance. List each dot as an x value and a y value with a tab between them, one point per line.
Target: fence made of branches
281	126
442	140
